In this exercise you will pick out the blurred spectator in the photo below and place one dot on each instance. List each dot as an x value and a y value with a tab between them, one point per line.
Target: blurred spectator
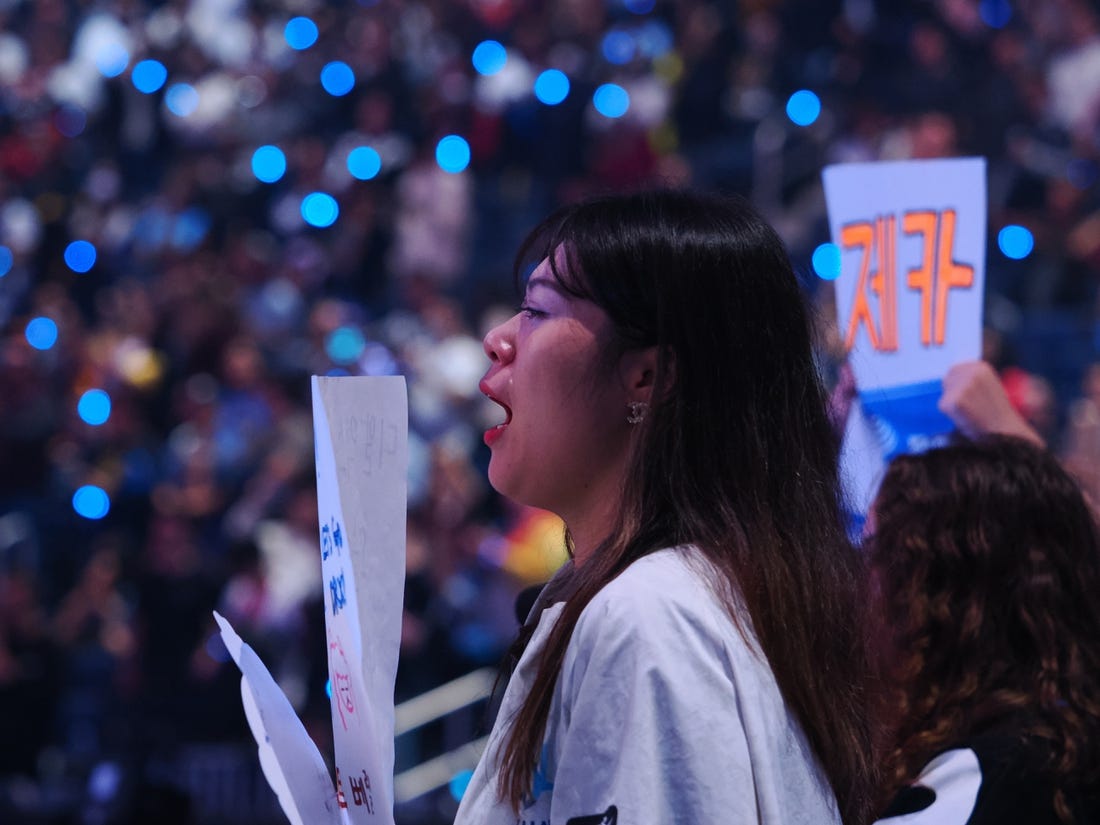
30	665
1082	444
1031	396
94	625
986	557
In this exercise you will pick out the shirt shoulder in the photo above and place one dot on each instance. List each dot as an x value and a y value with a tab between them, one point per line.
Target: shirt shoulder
670	596
676	579
666	710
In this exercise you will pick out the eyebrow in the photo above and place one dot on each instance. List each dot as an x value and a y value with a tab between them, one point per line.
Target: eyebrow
547	283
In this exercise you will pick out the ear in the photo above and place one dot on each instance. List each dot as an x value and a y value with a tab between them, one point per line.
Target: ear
638	373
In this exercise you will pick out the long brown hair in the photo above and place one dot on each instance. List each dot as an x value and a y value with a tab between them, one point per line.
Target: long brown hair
736	457
987	561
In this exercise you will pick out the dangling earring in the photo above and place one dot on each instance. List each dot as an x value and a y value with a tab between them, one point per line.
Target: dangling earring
638	409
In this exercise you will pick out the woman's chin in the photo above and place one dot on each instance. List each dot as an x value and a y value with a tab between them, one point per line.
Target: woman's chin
505	483
498	478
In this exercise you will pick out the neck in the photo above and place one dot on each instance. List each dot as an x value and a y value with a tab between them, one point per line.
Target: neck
589	528
593	508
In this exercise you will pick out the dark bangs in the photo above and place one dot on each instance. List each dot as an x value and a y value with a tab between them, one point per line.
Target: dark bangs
554	231
611	255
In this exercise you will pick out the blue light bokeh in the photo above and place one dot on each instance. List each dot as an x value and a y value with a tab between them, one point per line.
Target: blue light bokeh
91	502
452	153
489	57
41	332
80	256
345	344
320	209
268	164
148	76
654	39
181	99
377	360
94	407
459	783
552	87
1015	241
337	78
6	260
618	47
364	163
112	60
803	107
300	33
611	100
995	13
191	228
826	261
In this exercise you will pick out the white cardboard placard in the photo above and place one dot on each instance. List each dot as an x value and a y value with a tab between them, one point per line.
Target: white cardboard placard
912	266
909	297
361	443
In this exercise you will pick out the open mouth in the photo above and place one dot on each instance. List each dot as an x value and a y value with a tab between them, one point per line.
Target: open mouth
493	433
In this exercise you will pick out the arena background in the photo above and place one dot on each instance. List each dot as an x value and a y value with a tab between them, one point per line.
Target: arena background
203	203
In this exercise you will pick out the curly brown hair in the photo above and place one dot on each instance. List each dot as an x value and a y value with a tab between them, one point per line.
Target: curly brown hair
986	557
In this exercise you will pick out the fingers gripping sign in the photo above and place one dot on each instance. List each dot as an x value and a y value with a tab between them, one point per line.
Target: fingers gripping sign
975	400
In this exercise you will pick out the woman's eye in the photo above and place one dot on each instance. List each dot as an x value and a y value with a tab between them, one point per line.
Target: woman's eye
529	311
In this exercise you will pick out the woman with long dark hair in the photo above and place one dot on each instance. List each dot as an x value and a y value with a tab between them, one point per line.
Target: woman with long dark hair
987	564
702	658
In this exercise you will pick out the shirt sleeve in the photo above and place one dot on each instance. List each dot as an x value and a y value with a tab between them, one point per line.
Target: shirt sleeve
649	722
946	793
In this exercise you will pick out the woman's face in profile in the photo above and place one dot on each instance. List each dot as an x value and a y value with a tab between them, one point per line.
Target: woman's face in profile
563	435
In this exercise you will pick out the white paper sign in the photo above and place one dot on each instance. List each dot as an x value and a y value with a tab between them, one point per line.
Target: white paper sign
862	466
361	441
912	266
911	236
290	760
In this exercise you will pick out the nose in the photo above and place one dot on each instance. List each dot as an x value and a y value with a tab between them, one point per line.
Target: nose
498	344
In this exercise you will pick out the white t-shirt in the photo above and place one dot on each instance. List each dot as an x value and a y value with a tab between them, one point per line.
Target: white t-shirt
662	713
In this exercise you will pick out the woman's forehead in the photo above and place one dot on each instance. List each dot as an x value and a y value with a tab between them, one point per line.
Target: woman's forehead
559	274
543	276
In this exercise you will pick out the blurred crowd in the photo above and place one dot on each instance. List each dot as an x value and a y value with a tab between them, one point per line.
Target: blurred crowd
211	301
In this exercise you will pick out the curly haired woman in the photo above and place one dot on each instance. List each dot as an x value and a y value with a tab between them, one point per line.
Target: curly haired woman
987	561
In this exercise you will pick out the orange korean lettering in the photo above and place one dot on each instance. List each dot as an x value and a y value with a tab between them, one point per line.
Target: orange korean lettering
923	277
949	273
883	283
853	236
890	298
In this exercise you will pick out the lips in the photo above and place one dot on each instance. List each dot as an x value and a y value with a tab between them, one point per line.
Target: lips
493	433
